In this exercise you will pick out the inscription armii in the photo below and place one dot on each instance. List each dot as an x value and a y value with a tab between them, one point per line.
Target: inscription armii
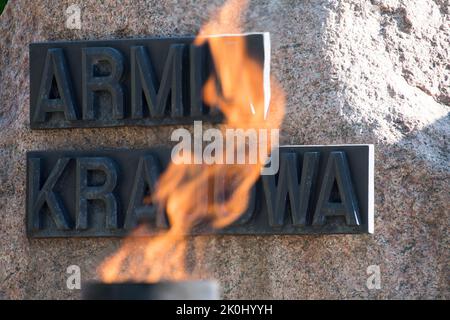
101	193
123	82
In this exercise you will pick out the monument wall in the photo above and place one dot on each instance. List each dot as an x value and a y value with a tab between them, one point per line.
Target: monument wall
353	72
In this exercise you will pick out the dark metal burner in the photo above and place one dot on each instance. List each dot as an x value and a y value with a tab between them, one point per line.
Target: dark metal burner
183	290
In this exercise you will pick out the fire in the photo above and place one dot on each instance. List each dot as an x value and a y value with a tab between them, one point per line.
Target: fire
213	193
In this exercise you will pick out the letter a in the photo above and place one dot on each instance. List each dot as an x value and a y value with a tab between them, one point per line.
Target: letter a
55	67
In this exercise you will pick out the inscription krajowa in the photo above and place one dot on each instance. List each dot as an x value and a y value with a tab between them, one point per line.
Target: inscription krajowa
317	190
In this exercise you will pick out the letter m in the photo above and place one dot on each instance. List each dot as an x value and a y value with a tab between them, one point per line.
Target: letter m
144	83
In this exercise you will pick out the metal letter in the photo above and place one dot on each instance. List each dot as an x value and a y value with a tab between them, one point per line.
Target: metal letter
103	192
110	83
38	197
220	192
337	169
197	58
146	176
55	68
143	80
288	185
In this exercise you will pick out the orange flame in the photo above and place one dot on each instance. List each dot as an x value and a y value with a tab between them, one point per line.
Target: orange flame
190	193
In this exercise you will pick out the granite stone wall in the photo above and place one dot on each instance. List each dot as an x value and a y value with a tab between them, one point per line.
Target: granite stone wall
353	72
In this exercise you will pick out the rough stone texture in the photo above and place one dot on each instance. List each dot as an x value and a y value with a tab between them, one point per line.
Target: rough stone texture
354	72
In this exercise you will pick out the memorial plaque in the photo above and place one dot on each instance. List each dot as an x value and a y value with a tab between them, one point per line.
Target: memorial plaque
109	83
99	193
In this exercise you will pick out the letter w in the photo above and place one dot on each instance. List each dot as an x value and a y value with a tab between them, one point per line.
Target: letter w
299	194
